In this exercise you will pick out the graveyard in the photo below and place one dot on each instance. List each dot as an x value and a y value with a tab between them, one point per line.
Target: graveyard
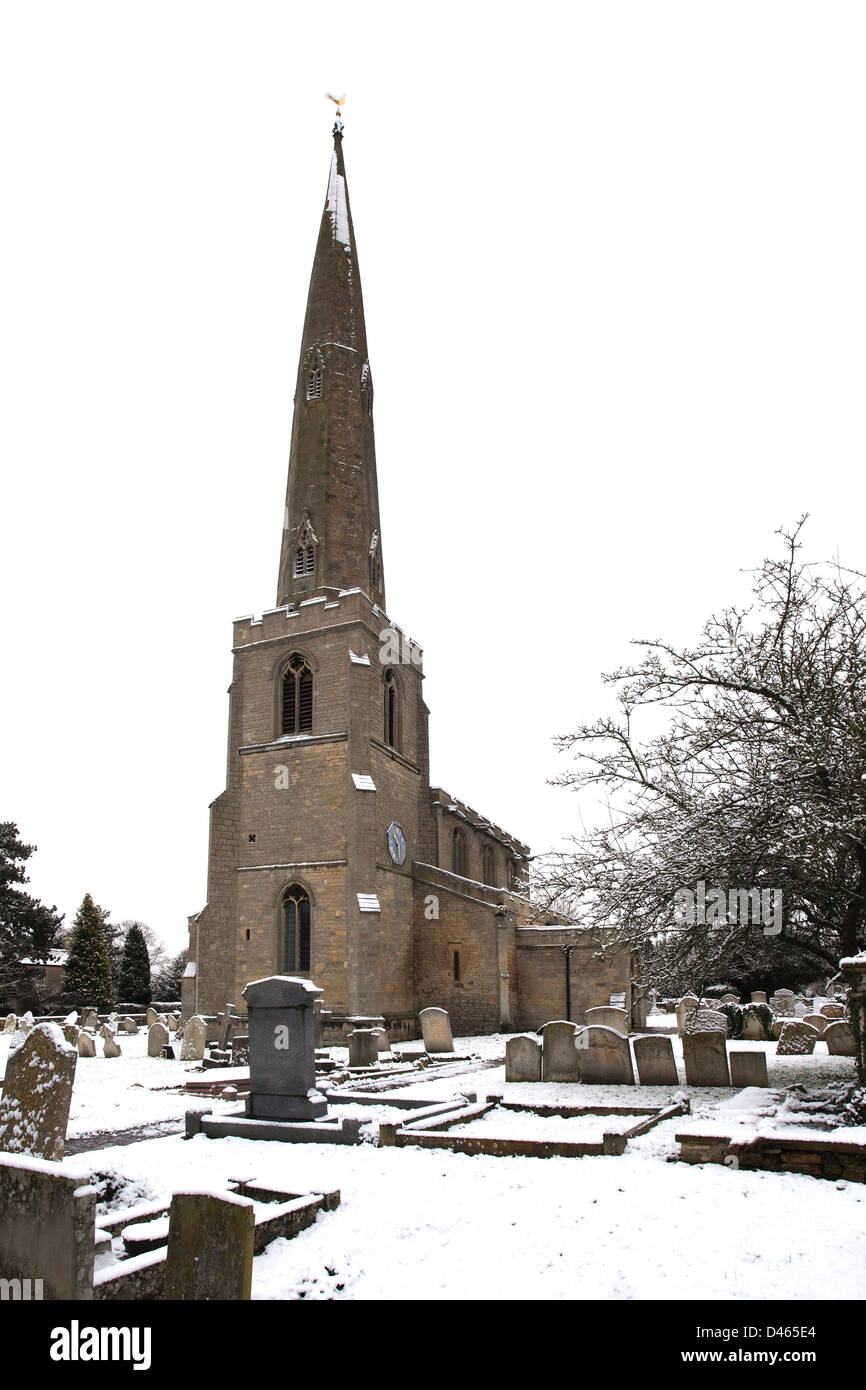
595	1161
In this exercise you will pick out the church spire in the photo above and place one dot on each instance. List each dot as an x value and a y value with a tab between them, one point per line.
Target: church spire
331	537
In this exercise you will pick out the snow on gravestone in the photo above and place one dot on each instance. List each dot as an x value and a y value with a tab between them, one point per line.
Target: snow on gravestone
608	1017
37	1092
157	1039
194	1039
797	1039
706	1059
86	1045
832	1011
816	1021
686	1006
210	1247
558	1056
706	1021
282	1050
655	1061
839	1037
604	1058
436	1030
363	1048
110	1046
782	1003
523	1058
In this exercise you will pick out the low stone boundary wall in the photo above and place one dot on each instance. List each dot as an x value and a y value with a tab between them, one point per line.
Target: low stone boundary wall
776	1153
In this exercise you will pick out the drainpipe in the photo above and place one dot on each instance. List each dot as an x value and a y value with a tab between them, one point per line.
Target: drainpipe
567	950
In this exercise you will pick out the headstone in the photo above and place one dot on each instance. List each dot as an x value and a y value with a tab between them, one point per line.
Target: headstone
37	1092
833	1011
172	1022
706	1021
363	1049
129	1025
608	1017
283	1050
157	1039
753	1029
110	1047
86	1045
687	1005
106	1031
559	1056
747	1068
25	1023
47	1227
759	996
706	1060
151	1017
816	1021
70	1033
210	1247
383	1042
782	1003
523	1058
839	1037
228	1021
797	1039
436	1030
89	1018
604	1057
194	1038
241	1050
318	1023
10	1023
729	999
800	1009
655	1061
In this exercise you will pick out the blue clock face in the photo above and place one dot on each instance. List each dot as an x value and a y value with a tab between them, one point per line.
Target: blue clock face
396	843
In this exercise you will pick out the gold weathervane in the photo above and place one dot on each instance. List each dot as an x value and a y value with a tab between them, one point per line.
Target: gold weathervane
338	102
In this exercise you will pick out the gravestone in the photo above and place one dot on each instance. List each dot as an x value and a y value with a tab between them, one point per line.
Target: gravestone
363	1048
656	1065
839	1037
157	1039
782	1003
797	1039
383	1042
523	1058
37	1091
86	1044
687	1005
89	1018
759	996
748	1068
436	1030
210	1247
753	1028
70	1033
151	1017
729	999
229	1020
604	1057
194	1038
559	1055
241	1050
816	1021
283	1050
800	1009
833	1011
25	1022
47	1225
608	1017
10	1023
705	1056
172	1022
129	1025
706	1021
110	1046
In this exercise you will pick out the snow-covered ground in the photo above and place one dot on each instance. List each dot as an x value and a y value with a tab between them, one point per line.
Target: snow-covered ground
417	1223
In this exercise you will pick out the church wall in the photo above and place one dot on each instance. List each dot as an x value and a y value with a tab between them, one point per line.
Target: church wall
259	896
542	979
469	926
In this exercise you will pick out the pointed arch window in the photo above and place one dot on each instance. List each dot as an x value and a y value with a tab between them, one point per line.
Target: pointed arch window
297	697
315	378
488	866
375	563
458	853
392	710
296	931
305	551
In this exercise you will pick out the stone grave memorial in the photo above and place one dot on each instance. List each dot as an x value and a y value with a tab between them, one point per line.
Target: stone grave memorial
797	1039
37	1092
608	1017
194	1039
436	1030
686	1006
86	1044
748	1068
559	1054
654	1058
706	1059
210	1247
157	1039
604	1057
363	1048
523	1058
839	1037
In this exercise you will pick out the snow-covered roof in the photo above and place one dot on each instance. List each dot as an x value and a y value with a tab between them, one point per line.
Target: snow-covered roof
54	957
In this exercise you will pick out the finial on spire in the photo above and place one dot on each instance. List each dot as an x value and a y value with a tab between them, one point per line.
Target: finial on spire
338	123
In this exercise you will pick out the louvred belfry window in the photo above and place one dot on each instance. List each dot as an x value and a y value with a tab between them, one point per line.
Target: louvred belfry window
305	560
296	930
391	709
297	711
315	380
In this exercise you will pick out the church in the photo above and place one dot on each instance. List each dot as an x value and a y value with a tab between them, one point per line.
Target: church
331	856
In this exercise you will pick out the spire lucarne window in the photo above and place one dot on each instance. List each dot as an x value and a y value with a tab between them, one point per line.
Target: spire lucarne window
315	379
297	697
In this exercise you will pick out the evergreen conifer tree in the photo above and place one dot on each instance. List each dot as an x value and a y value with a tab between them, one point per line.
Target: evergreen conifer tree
88	968
134	982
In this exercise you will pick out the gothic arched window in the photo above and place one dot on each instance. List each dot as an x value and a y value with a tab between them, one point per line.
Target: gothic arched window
296	931
315	378
392	710
458	852
488	866
297	697
305	551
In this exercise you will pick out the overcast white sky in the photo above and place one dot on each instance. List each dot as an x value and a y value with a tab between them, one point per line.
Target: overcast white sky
614	273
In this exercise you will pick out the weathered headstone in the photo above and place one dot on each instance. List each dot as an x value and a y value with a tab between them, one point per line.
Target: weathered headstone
608	1017
89	1018
559	1055
729	999
759	996
800	1009
110	1046
70	1033
10	1023
705	1056
436	1030
383	1042
782	1003
172	1022
523	1058
37	1092
604	1057
797	1039
86	1044
228	1021
194	1038
283	1050
129	1025
706	1021
241	1050
839	1037
687	1005
47	1226
753	1028
747	1068
833	1011
210	1247
363	1049
151	1017
816	1021
656	1065
157	1039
